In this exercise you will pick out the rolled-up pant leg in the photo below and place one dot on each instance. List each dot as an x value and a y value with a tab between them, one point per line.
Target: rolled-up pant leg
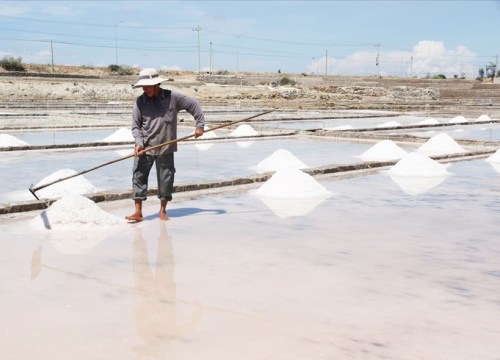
165	172
140	174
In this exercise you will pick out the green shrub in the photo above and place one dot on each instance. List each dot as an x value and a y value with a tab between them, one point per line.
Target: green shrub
121	70
9	63
440	76
287	81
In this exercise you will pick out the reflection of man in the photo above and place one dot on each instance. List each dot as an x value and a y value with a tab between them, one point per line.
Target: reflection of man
155	315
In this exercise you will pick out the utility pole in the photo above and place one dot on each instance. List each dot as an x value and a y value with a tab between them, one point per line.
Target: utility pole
52	55
197	28
210	67
326	63
116	42
377	60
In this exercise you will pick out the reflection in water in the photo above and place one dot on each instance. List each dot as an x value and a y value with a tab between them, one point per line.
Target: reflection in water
156	298
414	185
285	208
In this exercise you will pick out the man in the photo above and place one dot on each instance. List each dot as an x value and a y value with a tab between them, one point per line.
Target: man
154	122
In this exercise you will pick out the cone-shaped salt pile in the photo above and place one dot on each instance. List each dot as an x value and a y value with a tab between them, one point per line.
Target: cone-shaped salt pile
75	224
458	119
77	185
244	130
495	158
483	118
417	164
428	122
291	192
208	135
280	159
382	151
340	127
416	173
122	134
441	144
292	183
389	124
7	140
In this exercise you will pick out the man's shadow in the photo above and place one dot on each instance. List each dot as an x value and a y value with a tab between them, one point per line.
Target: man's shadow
187	211
156	297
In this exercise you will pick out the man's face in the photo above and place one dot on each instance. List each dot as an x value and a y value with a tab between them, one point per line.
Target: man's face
149	90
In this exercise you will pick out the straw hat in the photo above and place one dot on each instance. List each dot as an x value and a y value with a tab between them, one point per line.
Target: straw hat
148	77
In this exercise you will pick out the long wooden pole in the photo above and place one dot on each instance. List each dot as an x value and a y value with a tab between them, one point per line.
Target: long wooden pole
33	189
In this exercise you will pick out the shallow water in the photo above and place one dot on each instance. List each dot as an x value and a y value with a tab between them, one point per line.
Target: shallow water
220	161
369	273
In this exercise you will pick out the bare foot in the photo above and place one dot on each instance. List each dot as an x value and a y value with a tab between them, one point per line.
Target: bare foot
163	216
136	217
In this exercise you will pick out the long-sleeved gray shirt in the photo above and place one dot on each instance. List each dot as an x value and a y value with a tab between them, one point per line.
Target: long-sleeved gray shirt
154	121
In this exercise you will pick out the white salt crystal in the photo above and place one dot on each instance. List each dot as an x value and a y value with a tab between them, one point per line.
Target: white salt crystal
382	151
280	159
7	140
122	134
495	158
292	183
429	121
388	124
458	119
244	130
77	185
419	165
441	144
483	118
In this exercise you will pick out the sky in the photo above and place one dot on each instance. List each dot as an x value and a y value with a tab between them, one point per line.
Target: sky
409	38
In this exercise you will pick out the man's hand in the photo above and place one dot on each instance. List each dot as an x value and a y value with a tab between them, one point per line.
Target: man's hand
138	149
198	132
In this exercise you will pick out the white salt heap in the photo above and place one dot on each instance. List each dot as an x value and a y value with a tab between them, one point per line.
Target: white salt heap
495	158
77	185
389	124
458	119
340	127
291	192
416	173
441	144
122	134
382	151
208	135
418	164
244	130
75	211
292	183
483	118
429	121
280	159
7	140
75	224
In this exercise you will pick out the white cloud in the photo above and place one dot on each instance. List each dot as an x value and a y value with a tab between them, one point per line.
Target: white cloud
427	57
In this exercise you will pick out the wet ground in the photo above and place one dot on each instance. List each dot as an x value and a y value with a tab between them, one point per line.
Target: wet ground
370	272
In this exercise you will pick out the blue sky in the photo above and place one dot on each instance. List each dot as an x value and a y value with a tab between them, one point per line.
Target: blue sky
410	38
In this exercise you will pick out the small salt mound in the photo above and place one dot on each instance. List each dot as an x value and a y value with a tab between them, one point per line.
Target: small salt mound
77	185
244	130
383	150
340	127
441	144
428	122
75	224
75	211
122	134
208	135
458	119
483	118
418	165
388	124
495	158
292	184
280	159
7	140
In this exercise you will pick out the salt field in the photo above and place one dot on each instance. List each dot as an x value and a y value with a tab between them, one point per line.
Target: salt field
397	262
